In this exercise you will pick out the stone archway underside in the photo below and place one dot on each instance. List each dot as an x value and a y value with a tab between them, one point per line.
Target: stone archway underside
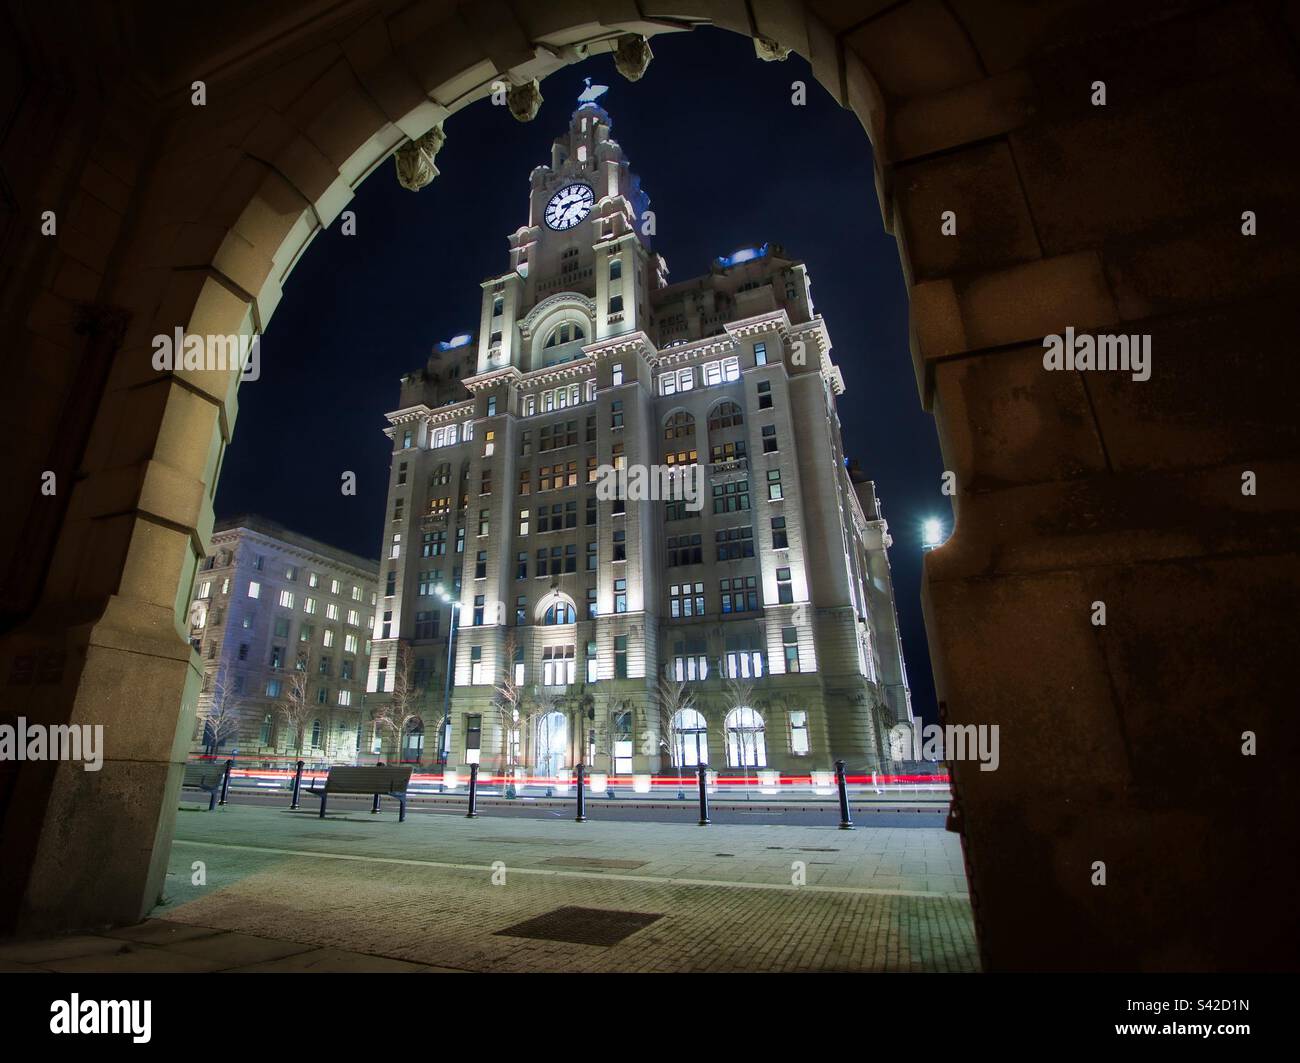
1119	743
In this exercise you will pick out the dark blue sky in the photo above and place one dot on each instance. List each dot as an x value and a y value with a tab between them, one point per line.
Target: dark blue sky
728	162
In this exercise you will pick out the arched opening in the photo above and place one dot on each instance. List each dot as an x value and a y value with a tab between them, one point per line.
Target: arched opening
746	739
551	744
690	739
1070	490
413	742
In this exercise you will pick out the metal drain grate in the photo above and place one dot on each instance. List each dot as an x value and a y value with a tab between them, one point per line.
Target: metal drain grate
593	861
582	926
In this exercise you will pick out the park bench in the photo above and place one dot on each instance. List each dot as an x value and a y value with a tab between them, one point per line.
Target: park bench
377	782
205	775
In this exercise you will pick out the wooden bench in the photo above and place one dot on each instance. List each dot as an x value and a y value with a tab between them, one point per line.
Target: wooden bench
205	775
376	782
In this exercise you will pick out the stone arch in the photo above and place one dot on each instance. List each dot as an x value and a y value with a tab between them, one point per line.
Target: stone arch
181	216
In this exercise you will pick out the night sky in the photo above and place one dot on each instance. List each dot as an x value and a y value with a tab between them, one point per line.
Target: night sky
728	162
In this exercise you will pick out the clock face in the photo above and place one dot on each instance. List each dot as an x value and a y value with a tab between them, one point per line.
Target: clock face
569	206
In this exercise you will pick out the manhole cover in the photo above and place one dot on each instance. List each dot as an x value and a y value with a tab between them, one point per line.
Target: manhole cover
592	861
581	926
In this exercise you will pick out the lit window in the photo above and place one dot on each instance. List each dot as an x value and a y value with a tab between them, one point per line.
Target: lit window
254	589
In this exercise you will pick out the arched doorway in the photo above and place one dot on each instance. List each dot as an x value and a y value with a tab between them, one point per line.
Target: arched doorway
1070	490
552	744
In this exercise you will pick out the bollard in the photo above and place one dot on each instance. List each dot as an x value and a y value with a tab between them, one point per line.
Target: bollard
473	792
297	787
704	795
582	796
846	817
374	808
225	781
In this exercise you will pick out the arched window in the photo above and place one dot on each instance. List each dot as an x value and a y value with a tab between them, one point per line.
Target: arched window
746	745
726	444
681	425
413	741
315	734
565	333
690	739
621	733
560	613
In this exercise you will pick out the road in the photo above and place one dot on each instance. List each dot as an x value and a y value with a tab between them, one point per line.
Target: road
903	813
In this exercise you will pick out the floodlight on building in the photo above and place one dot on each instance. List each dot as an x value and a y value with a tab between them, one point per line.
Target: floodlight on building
931	534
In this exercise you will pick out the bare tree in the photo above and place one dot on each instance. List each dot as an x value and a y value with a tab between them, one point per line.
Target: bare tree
405	703
739	693
675	697
517	707
220	713
294	707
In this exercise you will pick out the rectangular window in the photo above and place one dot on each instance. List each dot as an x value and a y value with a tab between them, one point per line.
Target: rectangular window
779	540
286	599
480	565
479	602
484	522
332	611
620	656
616	414
254	589
616	374
790	643
685	550
784	593
557	666
273	688
765	395
476	665
686	600
521	610
734	543
591	557
620	596
521	565
394	549
769	439
760	354
774	485
354	618
591	603
799	733
731	497
739	594
492	406
345	697
350	644
620	546
328	638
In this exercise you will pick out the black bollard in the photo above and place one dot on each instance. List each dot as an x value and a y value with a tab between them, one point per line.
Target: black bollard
846	817
374	807
297	787
582	797
473	792
703	771
225	781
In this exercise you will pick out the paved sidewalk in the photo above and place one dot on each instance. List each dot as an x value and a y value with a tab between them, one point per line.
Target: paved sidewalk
288	891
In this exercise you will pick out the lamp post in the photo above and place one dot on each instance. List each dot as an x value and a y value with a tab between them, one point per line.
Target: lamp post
446	698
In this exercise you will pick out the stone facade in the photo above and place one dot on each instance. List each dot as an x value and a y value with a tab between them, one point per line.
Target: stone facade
769	596
267	601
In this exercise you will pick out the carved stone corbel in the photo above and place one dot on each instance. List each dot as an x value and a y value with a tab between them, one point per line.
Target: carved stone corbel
632	55
414	159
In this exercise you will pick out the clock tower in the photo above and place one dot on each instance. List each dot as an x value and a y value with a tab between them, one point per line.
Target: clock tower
582	269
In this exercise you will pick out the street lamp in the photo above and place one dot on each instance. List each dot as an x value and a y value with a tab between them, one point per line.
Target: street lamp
446	699
931	533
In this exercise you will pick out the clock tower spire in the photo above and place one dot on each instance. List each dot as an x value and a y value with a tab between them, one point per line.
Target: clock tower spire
582	267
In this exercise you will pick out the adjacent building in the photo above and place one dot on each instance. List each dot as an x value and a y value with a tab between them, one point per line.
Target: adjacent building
282	624
749	623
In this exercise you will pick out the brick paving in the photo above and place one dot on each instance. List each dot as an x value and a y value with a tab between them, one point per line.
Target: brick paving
288	891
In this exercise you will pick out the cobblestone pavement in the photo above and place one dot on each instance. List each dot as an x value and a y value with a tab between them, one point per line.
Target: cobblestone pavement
294	892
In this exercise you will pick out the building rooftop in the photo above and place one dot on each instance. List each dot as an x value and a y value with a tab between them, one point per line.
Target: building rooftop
269	528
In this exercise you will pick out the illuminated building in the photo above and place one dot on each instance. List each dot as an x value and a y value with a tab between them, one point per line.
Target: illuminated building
772	603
